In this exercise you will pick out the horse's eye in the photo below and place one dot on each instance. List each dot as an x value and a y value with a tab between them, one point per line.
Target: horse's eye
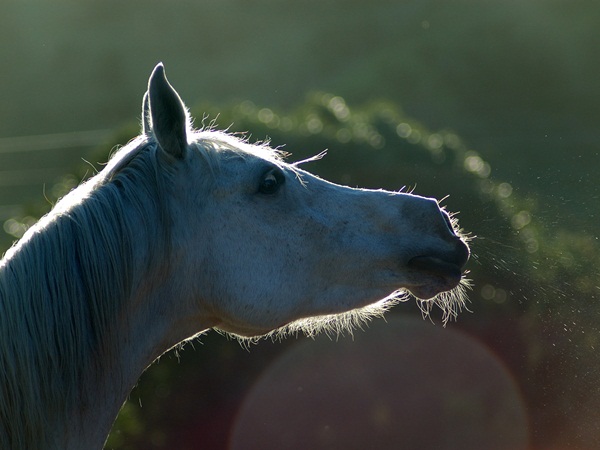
271	181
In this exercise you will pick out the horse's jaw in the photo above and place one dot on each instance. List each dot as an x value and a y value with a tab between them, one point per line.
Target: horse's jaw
334	324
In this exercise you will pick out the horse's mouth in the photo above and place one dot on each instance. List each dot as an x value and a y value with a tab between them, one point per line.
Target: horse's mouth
435	266
438	276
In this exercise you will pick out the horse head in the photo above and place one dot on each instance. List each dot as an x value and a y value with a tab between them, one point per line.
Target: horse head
260	244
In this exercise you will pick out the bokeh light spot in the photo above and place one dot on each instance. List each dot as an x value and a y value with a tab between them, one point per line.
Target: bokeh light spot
521	220
403	130
504	190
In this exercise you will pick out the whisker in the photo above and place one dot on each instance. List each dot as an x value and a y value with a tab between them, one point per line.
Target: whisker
311	159
451	303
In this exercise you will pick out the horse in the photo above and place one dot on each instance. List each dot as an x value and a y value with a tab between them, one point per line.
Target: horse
186	230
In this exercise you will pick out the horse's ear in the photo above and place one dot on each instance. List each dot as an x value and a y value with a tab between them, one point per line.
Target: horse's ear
168	114
146	119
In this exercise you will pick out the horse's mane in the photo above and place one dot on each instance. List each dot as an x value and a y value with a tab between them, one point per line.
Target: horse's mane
62	288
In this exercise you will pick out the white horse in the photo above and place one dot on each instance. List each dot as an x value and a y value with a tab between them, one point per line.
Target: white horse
184	231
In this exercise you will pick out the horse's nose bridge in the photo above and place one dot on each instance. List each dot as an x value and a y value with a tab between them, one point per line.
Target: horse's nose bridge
425	214
401	213
406	212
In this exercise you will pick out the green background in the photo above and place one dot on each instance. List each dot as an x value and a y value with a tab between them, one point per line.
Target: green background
494	103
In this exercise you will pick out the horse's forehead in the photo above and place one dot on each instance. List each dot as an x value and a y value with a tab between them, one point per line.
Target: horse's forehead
223	148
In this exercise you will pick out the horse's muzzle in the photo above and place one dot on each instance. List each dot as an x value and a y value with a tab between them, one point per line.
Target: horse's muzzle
444	270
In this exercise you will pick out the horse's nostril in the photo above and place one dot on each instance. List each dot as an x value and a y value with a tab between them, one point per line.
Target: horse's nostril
436	266
461	250
448	222
447	262
462	253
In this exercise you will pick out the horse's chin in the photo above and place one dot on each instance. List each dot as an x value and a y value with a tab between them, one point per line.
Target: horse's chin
450	301
245	332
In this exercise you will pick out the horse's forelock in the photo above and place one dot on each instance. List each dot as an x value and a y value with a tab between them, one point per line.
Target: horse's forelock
216	144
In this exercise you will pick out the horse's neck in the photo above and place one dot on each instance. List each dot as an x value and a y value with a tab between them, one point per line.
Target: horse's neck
147	327
102	395
140	341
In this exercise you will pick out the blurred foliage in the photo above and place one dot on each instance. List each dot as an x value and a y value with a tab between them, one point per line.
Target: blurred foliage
518	79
